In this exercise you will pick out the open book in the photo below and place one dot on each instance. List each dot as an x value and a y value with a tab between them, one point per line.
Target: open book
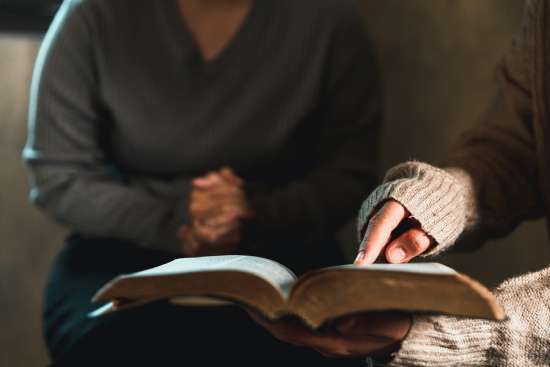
315	297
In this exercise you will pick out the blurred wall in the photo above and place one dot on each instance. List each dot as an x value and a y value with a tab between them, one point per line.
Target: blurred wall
437	59
29	240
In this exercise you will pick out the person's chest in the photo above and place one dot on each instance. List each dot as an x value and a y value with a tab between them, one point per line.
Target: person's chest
214	26
169	111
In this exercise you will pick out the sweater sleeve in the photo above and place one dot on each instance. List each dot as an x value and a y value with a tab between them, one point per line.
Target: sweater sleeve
523	339
490	183
72	176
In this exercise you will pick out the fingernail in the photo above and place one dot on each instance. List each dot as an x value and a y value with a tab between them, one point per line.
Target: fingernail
398	255
360	257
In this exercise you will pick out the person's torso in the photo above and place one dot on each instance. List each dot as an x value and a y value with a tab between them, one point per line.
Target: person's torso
256	107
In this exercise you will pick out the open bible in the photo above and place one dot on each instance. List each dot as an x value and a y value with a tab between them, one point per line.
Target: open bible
315	297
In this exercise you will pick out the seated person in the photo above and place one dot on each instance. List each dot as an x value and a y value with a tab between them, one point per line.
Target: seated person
166	128
496	177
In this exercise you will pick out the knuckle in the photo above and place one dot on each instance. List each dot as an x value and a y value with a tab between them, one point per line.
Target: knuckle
375	219
417	241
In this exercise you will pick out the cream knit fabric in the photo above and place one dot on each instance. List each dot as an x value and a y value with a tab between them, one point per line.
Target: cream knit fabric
442	201
522	340
432	196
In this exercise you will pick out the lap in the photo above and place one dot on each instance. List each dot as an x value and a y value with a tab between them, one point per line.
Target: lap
155	334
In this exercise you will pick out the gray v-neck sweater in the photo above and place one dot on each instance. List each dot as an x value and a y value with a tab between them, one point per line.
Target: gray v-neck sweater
124	113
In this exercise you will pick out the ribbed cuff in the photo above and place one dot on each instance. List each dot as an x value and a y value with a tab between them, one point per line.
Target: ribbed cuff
432	196
445	341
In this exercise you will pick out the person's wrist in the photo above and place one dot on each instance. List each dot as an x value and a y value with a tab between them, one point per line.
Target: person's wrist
188	242
431	195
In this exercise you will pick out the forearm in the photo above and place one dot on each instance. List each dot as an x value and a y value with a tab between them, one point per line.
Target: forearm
177	188
95	204
523	339
472	202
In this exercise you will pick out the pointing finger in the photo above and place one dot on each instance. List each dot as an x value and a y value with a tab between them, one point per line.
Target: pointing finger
379	231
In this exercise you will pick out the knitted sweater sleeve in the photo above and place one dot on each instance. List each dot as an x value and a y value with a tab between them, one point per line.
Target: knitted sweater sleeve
490	181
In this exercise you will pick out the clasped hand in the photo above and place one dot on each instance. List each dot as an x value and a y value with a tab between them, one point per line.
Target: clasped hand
217	208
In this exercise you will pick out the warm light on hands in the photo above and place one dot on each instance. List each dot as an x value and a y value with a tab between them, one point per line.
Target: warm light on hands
378	242
217	207
354	336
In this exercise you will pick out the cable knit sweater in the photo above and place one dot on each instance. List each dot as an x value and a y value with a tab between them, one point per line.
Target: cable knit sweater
497	176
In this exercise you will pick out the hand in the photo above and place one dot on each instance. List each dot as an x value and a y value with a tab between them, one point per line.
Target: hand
217	207
354	336
194	243
378	240
218	199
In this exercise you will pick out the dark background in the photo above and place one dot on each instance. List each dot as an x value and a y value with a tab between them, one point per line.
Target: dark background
436	57
26	15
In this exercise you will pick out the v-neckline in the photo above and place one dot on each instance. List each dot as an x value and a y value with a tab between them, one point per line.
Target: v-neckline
194	52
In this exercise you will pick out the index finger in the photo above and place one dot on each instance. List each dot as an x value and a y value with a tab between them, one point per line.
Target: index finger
379	231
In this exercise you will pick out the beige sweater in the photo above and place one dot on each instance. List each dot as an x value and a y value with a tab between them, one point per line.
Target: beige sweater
497	176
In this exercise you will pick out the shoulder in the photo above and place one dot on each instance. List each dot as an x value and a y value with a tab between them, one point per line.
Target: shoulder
79	24
98	13
105	24
100	5
74	23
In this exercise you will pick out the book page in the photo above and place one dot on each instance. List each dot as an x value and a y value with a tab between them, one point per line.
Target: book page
418	268
274	273
331	293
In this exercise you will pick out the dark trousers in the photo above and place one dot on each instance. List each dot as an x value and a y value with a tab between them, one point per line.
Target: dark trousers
158	334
